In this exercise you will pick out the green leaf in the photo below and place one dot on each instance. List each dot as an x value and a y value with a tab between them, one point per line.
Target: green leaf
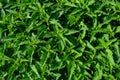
70	32
62	45
91	2
110	58
35	70
30	27
118	29
99	72
90	46
12	69
67	3
77	54
44	57
71	68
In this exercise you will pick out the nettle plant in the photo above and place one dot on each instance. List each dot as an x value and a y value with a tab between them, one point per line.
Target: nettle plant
59	39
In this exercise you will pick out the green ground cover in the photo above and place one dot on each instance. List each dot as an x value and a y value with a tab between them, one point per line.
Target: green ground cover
59	40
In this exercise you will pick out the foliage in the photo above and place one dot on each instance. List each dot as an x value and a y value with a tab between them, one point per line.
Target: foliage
59	40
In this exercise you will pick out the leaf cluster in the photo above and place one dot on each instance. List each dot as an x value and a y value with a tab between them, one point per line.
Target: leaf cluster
59	40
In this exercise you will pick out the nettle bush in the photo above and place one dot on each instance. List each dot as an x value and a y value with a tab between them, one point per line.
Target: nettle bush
59	40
